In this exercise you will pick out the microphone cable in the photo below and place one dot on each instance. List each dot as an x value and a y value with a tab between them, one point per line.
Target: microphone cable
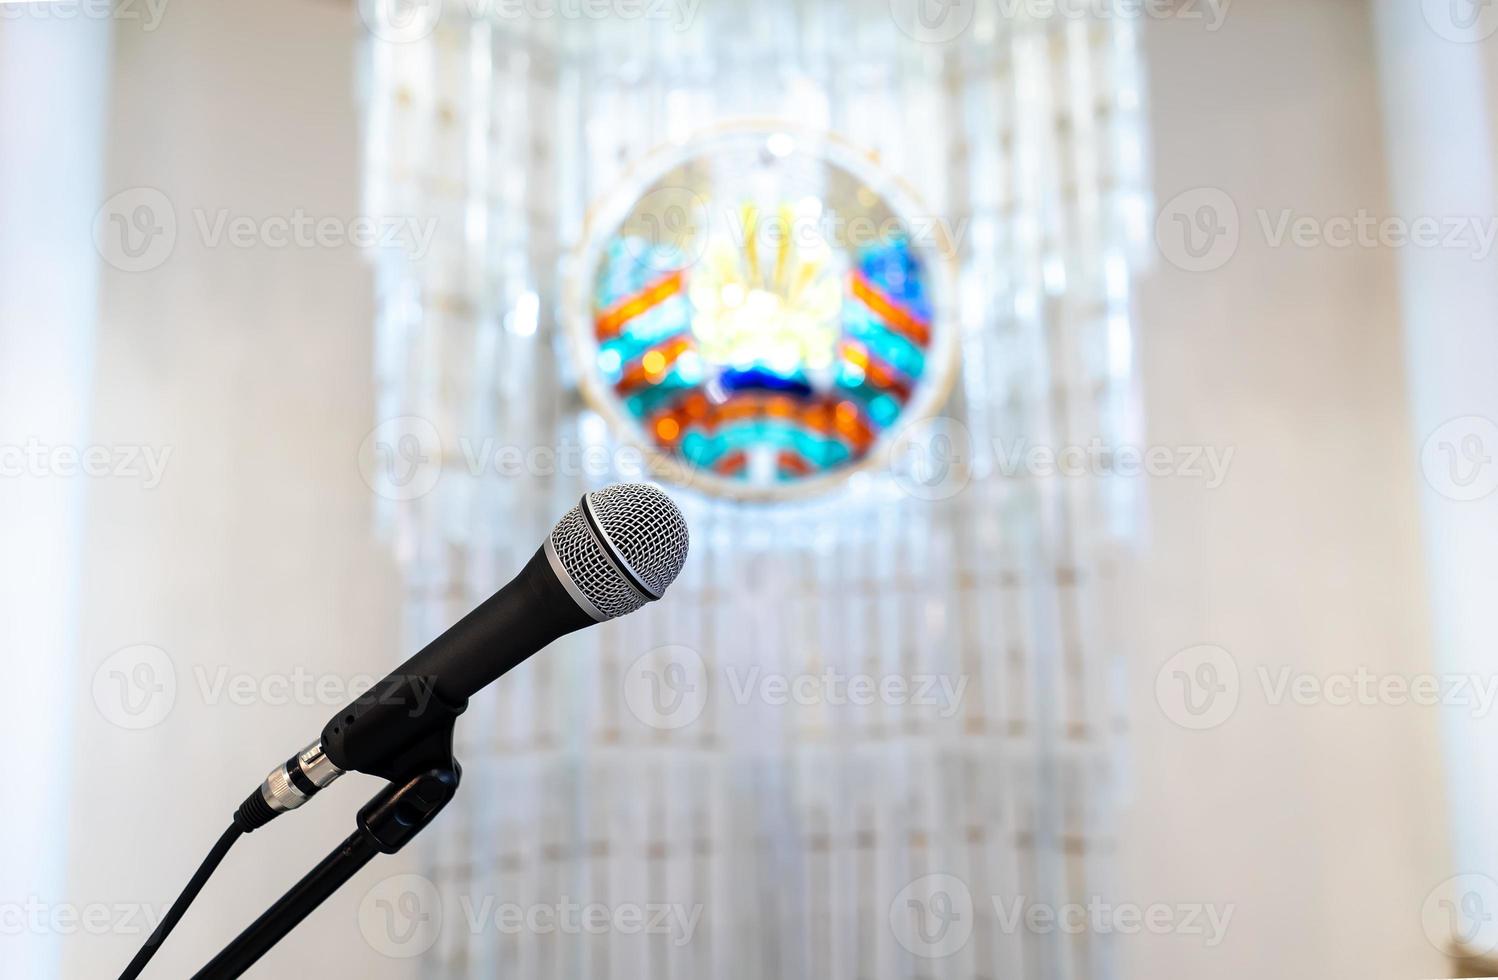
194	885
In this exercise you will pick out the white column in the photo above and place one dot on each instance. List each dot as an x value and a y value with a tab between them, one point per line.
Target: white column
53	96
1439	148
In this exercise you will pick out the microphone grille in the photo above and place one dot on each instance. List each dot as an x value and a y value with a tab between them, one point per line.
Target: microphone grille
621	547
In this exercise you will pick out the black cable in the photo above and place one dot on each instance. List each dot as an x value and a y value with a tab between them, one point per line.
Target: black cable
195	885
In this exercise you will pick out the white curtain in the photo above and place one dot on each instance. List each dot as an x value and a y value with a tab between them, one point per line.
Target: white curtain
799	832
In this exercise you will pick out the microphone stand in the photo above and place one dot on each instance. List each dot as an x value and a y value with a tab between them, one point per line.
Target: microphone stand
424	783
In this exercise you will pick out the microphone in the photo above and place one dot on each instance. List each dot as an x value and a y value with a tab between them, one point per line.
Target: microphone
616	550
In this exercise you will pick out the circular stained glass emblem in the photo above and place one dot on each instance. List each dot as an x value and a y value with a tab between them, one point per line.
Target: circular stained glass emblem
763	312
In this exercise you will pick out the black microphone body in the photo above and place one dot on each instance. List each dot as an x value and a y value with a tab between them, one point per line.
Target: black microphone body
612	553
528	613
382	731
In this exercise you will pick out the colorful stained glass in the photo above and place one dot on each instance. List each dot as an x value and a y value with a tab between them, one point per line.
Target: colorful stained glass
762	315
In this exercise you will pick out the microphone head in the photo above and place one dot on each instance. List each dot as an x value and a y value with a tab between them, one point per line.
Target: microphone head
618	549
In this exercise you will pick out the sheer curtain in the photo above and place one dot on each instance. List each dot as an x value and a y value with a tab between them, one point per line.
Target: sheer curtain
799	834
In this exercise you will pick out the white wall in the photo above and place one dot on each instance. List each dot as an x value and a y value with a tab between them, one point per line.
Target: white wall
53	85
1324	826
255	552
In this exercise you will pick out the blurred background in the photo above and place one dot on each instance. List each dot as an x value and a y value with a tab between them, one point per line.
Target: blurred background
1083	412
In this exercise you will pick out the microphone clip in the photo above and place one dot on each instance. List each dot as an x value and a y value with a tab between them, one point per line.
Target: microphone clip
414	754
400	727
